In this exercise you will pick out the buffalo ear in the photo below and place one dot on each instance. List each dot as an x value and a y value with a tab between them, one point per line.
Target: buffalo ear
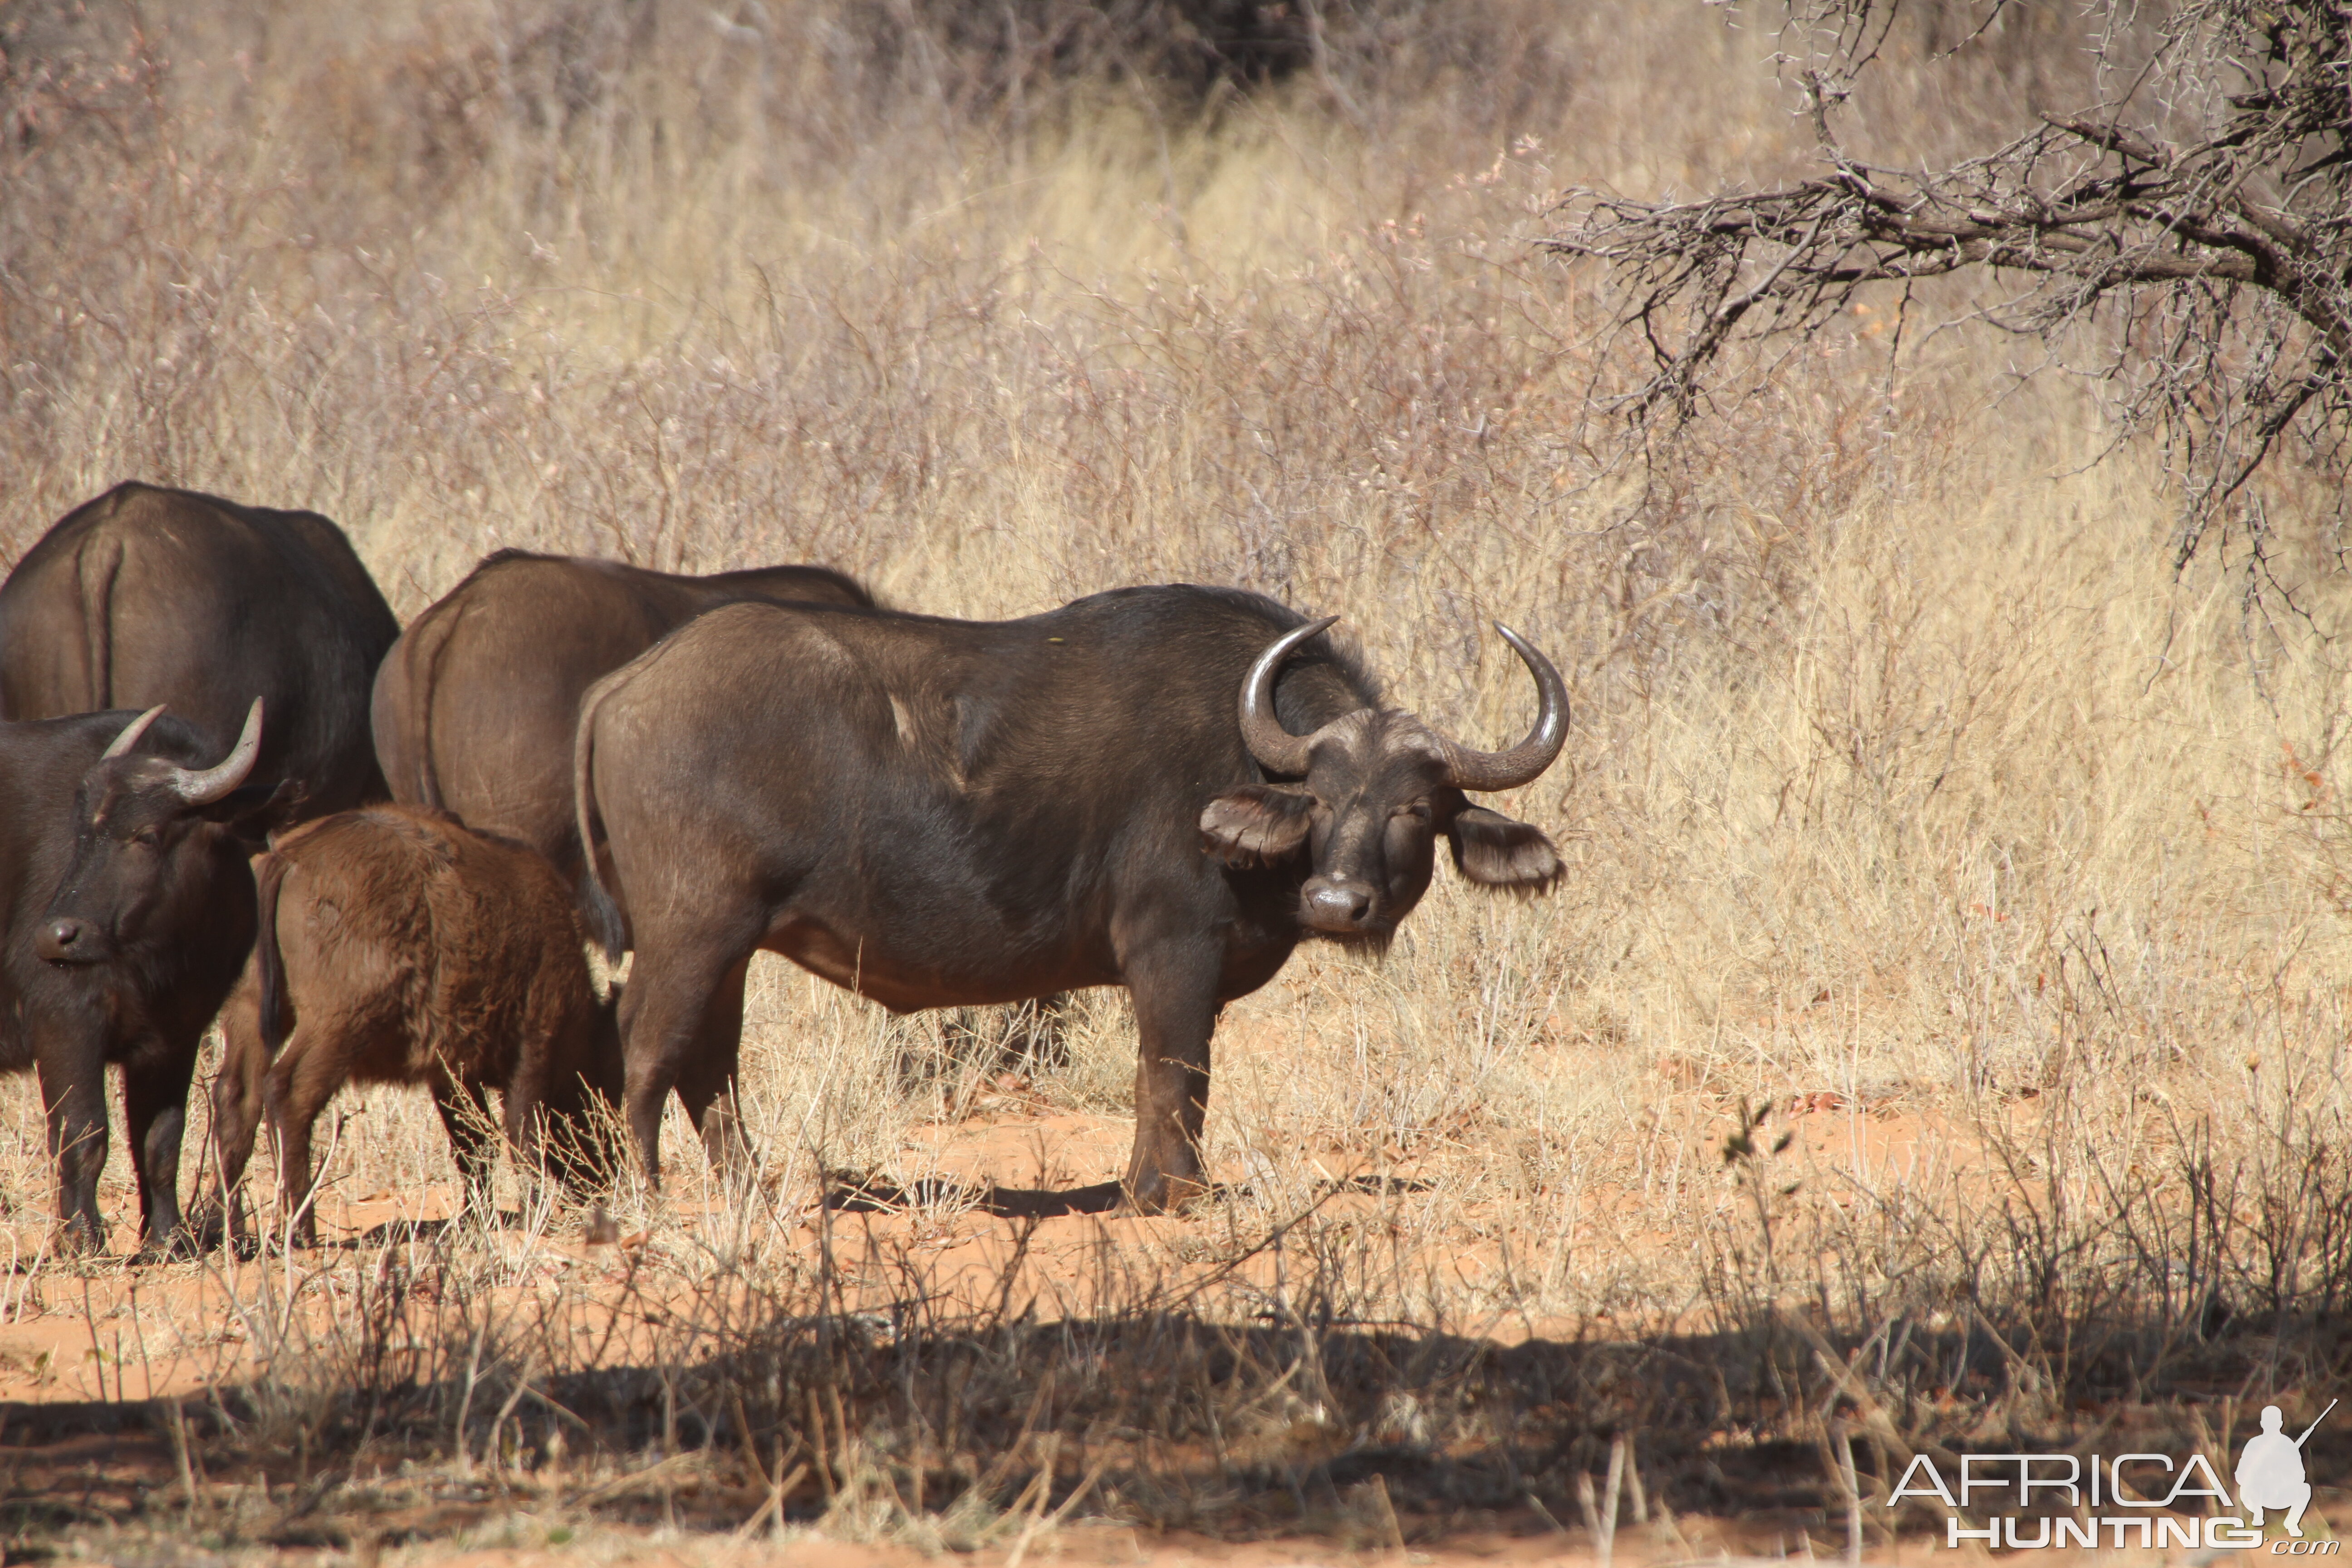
1494	851
256	812
1258	824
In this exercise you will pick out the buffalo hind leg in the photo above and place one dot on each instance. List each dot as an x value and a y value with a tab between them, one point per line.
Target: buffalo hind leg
664	1012
526	1114
295	1090
706	1080
1174	991
524	1111
155	1118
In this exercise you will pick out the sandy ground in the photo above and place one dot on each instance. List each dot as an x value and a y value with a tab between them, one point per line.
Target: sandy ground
108	1331
1691	1542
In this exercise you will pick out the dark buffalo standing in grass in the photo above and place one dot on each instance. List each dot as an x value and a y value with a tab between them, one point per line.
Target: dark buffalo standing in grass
475	704
1160	788
130	913
396	947
148	596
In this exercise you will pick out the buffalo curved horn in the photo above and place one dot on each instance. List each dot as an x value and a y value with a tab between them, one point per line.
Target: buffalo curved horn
1530	757
130	733
203	786
1277	749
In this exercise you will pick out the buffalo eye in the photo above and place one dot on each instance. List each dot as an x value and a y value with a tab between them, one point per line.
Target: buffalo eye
147	837
1418	810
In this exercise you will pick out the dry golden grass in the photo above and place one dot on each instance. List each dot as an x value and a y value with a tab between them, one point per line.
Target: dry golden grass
1907	787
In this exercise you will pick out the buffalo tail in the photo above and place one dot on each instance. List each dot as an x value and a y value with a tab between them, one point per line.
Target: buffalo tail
418	669
99	563
597	909
268	962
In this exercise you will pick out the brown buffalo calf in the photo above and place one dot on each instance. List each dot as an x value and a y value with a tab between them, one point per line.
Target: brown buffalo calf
397	947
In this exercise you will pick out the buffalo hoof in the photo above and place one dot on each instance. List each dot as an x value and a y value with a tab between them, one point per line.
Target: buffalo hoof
177	1248
73	1239
209	1230
1159	1193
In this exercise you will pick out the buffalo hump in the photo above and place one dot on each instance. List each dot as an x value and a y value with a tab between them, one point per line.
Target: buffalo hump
149	595
474	707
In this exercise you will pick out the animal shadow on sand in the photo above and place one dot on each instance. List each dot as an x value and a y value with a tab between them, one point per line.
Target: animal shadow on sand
417	1230
849	1192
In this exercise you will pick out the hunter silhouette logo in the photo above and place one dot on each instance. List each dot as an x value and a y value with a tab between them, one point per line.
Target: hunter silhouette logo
2270	1471
2153	1502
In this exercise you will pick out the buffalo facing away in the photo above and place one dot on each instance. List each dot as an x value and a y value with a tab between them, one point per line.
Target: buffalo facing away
1161	789
474	706
130	913
396	947
148	596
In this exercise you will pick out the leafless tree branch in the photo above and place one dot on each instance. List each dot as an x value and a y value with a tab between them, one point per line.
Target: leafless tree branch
2203	212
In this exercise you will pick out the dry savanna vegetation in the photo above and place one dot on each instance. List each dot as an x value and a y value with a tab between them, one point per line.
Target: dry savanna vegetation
1936	1043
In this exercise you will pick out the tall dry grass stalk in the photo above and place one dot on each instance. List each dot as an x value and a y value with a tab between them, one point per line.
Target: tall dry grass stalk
1908	786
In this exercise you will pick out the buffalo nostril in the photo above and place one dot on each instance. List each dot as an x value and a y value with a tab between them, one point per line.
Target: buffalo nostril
61	940
1341	906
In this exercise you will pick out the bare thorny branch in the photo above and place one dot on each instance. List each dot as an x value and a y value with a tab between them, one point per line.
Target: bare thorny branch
2200	215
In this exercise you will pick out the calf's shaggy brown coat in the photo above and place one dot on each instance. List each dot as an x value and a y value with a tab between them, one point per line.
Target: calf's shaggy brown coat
397	947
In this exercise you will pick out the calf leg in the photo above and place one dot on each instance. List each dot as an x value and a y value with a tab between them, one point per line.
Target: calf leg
295	1090
1173	985
527	1113
706	1081
464	1110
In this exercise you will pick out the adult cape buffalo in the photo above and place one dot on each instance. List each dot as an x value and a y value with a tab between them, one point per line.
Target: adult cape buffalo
475	704
129	913
1161	789
148	596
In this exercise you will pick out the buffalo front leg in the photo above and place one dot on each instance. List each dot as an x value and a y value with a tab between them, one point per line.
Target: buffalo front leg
664	1012
156	1118
1175	994
73	1095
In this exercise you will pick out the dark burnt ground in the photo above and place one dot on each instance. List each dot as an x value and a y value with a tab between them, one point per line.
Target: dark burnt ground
1362	1435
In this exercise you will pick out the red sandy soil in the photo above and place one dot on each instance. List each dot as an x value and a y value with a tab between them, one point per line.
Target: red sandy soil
80	1335
110	1331
1113	1547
